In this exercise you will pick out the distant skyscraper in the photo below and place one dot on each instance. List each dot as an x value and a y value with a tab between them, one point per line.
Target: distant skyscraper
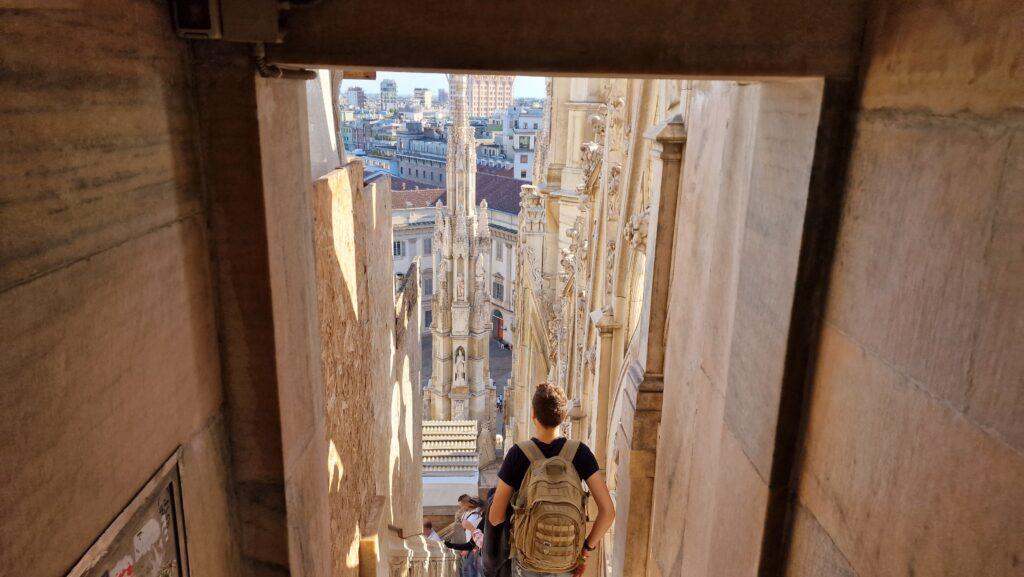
442	96
488	93
355	97
388	95
422	97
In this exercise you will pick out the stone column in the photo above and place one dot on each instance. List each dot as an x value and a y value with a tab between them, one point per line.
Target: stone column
605	324
656	232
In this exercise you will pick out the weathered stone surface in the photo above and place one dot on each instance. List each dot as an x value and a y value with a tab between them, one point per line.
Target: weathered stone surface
945	57
227	102
213	547
685	493
812	552
231	147
782	152
995	394
369	367
741	498
99	142
745	184
289	230
121	346
208	510
918	310
913	449
901	482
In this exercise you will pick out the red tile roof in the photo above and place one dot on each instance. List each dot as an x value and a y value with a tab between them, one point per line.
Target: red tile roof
415	197
495	170
500	192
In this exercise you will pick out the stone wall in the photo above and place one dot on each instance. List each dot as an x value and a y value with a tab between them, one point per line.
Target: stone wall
908	455
370	366
110	358
914	451
245	166
738	231
404	467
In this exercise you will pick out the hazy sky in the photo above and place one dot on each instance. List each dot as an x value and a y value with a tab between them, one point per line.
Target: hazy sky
525	86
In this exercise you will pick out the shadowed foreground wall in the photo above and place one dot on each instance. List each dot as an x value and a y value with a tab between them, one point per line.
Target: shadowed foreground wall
911	455
109	359
914	447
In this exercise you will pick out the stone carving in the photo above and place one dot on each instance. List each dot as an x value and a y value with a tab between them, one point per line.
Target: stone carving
441	294
591	155
438	226
460	291
635	231
598	121
483	229
461	237
446	237
609	269
460	367
553	331
614	182
566	262
590	358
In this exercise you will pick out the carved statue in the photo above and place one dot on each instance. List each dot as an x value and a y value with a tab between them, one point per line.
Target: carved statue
480	275
610	268
614	183
446	238
460	287
460	367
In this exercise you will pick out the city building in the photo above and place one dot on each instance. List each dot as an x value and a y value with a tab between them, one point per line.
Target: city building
518	137
382	159
355	97
388	96
422	155
422	97
488	93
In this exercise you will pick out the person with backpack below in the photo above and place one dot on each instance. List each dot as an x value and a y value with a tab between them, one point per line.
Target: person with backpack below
543	479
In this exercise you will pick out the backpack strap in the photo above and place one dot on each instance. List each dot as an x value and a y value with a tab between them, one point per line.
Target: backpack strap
569	449
531	450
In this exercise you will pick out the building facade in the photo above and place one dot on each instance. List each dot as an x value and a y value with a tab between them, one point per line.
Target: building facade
488	93
423	160
423	97
518	138
355	97
388	96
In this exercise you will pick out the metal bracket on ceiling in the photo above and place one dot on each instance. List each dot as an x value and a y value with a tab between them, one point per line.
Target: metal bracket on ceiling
268	70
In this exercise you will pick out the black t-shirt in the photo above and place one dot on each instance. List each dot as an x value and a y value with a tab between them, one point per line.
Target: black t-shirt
516	463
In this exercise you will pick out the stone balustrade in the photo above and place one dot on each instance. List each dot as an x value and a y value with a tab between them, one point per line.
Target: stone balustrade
419	557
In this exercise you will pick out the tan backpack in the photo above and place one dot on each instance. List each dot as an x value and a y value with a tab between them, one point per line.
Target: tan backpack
549	519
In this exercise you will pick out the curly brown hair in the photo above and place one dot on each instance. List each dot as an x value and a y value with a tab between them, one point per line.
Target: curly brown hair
550	405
